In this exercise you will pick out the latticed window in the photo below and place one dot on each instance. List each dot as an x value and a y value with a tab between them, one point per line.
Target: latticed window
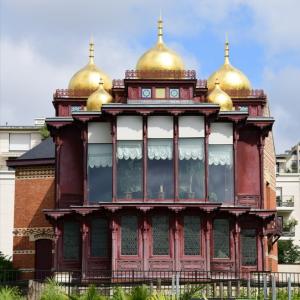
160	235
129	235
71	240
191	235
221	238
249	247
99	237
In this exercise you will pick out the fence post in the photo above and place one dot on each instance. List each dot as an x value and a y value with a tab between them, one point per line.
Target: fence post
289	288
229	287
238	289
274	296
248	287
177	285
265	287
221	290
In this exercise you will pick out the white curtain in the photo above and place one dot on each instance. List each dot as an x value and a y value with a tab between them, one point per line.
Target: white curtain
129	150
191	149
160	149
99	155
220	155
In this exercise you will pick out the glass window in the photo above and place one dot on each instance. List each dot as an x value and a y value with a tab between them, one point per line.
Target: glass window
100	173
174	93
19	141
160	169
99	237
191	168
129	235
160	235
160	93
146	93
221	238
71	240
249	247
192	236
129	169
220	179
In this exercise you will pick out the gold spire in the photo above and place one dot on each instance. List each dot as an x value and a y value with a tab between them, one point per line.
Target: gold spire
232	80
160	57
88	77
98	98
218	96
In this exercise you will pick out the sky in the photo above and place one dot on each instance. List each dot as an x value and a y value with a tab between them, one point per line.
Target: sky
44	42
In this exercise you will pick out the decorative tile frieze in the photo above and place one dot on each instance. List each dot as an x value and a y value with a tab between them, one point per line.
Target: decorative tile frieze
24	251
35	233
35	172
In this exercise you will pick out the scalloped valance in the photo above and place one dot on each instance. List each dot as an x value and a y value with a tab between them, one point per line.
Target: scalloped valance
129	150
99	155
220	155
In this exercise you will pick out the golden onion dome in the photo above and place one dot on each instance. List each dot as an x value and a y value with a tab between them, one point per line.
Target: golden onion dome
98	98
218	96
160	57
89	76
232	80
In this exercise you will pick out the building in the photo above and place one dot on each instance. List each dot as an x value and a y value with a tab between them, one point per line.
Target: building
158	171
288	192
14	141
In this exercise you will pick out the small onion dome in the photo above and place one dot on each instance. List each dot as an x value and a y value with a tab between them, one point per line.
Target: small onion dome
160	57
232	80
218	96
89	76
98	98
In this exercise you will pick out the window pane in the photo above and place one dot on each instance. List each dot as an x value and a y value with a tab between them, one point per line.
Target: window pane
160	235
220	173
191	168
129	235
99	236
129	169
192	235
160	169
221	238
100	173
249	247
71	240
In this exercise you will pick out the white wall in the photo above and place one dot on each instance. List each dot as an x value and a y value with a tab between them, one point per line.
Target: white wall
289	268
7	199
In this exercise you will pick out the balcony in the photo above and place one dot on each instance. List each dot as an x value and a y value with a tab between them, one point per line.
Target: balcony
285	203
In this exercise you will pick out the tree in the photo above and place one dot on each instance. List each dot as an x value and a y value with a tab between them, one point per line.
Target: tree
7	270
44	132
288	253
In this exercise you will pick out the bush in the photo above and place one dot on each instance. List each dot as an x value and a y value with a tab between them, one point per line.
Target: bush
10	293
53	291
288	253
7	270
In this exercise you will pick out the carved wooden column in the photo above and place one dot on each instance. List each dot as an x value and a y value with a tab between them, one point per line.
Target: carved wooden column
56	242
208	231
84	138
263	249
114	160
175	152
237	234
145	232
261	173
58	146
114	241
145	157
84	247
235	176
206	155
176	242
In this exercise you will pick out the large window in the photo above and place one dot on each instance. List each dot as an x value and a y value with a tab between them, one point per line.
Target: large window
71	240
129	169
192	236
129	235
221	238
220	152
100	173
191	168
19	141
99	237
160	235
249	247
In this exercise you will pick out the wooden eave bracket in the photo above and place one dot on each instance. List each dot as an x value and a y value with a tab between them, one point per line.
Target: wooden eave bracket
54	215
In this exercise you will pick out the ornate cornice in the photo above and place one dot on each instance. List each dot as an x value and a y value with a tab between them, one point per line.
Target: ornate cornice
34	233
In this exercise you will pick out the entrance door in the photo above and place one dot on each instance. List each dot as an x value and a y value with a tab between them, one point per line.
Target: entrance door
43	258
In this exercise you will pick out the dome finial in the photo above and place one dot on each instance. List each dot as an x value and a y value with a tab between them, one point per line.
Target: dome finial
160	29
91	50
227	50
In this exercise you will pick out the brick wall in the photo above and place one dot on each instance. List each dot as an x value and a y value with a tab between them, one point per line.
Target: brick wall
34	191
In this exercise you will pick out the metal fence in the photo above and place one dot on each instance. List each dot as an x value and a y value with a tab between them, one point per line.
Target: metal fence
211	285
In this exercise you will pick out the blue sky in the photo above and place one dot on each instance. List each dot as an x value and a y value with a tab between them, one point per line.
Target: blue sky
44	42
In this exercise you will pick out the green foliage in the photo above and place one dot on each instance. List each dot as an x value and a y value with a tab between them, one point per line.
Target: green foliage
44	132
7	270
191	292
141	292
288	253
90	294
160	296
10	293
119	294
53	291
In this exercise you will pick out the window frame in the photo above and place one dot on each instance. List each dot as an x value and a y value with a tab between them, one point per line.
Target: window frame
79	241
256	229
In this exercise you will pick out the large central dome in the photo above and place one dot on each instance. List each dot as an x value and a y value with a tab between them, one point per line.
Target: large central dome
160	57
